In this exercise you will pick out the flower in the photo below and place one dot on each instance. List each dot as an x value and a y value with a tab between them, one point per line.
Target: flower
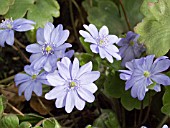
8	26
130	48
32	81
72	85
102	42
49	47
144	74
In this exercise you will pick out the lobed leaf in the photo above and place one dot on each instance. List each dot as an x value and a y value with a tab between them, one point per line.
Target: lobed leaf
154	30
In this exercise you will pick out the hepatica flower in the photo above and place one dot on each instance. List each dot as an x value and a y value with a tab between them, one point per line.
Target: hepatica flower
51	44
102	42
8	27
30	82
73	85
130	48
144	74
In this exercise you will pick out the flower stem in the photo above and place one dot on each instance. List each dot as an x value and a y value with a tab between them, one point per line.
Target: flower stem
163	121
15	109
7	79
141	113
124	12
19	43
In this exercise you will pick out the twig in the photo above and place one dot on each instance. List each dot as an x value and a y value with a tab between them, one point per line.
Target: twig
162	122
20	52
15	109
72	22
124	12
44	107
78	8
19	43
140	114
7	79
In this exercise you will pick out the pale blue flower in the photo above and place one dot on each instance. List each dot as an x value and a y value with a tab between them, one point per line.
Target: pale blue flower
102	42
30	82
50	47
8	27
144	74
130	48
73	85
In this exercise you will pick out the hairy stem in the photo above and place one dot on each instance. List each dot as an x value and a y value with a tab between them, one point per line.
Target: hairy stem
124	12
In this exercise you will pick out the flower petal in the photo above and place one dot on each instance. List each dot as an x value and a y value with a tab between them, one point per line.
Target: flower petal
89	77
10	38
20	78
70	101
112	39
104	31
35	56
3	35
79	103
161	79
92	29
90	87
75	68
60	102
85	34
22	87
54	79
28	92
40	36
63	70
102	52
34	48
56	92
94	48
37	88
24	27
85	68
86	95
47	31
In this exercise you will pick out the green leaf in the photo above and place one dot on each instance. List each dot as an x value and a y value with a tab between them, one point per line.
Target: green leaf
86	45
107	119
43	11
130	103
106	12
9	121
31	118
25	125
40	11
154	28
113	86
3	102
166	103
19	8
4	6
51	123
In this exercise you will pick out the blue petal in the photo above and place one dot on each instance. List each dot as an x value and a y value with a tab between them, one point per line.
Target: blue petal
86	95
85	68
89	77
94	48
79	102
92	29
22	87
57	92
34	48
40	36
75	68
37	88
104	31
47	31
63	71
24	27
28	91
3	35
20	78
161	79
10	38
35	56
60	102
22	21
70	101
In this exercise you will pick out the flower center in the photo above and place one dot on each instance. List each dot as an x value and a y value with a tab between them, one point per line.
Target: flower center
102	41
72	84
34	77
146	73
132	43
47	49
7	24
